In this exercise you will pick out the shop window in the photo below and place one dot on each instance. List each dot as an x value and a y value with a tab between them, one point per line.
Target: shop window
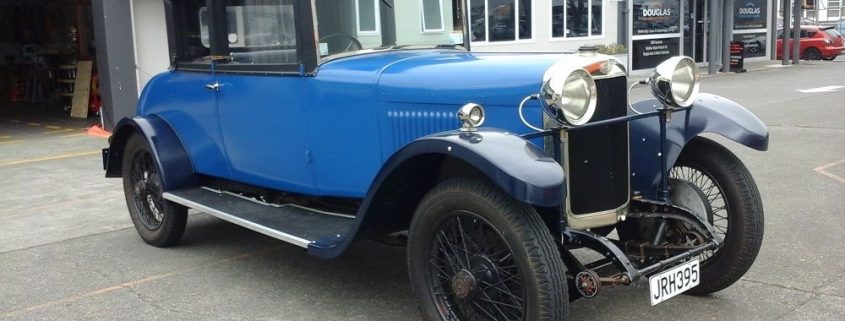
500	20
577	18
432	15
367	18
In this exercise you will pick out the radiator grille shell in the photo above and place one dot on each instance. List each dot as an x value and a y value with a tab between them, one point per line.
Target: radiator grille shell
596	160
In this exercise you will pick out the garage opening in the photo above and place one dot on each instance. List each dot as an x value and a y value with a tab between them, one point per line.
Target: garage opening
49	83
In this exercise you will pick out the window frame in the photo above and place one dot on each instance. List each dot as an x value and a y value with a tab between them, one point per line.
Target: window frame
516	29
306	47
376	17
440	14
590	35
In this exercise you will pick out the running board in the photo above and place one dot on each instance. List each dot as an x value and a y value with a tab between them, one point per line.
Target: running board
298	225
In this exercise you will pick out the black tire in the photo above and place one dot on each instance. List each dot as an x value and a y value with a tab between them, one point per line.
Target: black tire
508	257
735	210
159	222
812	54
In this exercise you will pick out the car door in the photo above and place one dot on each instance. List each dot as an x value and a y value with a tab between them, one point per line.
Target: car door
260	97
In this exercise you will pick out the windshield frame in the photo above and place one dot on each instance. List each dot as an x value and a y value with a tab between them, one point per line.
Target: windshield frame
465	46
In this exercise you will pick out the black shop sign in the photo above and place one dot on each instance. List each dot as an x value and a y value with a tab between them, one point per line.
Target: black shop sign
648	53
754	44
656	17
750	14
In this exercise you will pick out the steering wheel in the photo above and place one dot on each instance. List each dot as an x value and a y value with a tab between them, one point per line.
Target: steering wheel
351	42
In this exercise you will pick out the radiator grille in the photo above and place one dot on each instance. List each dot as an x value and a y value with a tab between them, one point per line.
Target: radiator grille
598	157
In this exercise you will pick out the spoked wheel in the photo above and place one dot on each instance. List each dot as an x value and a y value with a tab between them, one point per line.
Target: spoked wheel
159	222
710	181
476	254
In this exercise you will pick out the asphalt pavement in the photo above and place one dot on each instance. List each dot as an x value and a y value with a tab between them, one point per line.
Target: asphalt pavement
68	250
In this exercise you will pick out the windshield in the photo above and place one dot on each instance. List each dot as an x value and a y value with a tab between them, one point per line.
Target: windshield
355	25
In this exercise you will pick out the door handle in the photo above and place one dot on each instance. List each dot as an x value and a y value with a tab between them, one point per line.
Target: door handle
213	86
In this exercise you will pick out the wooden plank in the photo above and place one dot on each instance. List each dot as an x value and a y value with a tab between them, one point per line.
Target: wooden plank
81	90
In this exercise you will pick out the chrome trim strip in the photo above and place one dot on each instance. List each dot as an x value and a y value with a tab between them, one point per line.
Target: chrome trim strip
218	191
295	240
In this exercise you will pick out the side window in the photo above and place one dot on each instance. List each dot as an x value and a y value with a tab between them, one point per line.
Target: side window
257	31
261	31
192	31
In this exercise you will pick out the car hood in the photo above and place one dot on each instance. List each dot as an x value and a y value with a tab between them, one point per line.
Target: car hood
448	76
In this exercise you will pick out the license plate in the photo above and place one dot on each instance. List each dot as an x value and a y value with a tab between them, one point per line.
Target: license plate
674	281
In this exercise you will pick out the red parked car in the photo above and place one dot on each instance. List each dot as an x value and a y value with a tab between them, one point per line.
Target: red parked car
817	42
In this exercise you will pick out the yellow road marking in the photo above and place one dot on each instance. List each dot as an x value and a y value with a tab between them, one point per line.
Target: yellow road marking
5	137
11	142
15	121
130	284
821	170
75	135
33	124
35	160
53	127
59	131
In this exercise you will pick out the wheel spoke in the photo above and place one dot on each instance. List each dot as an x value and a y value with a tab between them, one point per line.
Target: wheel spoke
713	195
453	257
467	249
495	306
463	239
479	307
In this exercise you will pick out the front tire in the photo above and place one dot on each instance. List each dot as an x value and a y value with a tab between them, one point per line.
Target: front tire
733	207
159	222
474	253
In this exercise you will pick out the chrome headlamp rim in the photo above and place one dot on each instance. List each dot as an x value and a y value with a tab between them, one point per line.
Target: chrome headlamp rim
570	96
471	116
676	81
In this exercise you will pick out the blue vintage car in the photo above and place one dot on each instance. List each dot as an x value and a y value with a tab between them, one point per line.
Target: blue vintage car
323	122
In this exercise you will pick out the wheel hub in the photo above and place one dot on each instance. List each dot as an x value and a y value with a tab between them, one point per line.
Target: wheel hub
463	284
587	282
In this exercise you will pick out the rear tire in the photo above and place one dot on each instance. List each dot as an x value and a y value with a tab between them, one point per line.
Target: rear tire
812	54
735	209
159	222
474	253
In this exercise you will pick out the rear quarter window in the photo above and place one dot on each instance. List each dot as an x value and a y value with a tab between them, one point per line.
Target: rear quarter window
832	33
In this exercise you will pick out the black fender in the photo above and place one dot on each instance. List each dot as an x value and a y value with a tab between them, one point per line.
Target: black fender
172	159
709	114
515	165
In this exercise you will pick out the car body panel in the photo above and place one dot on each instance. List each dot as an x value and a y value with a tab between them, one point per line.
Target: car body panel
512	163
709	114
265	130
183	102
170	155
